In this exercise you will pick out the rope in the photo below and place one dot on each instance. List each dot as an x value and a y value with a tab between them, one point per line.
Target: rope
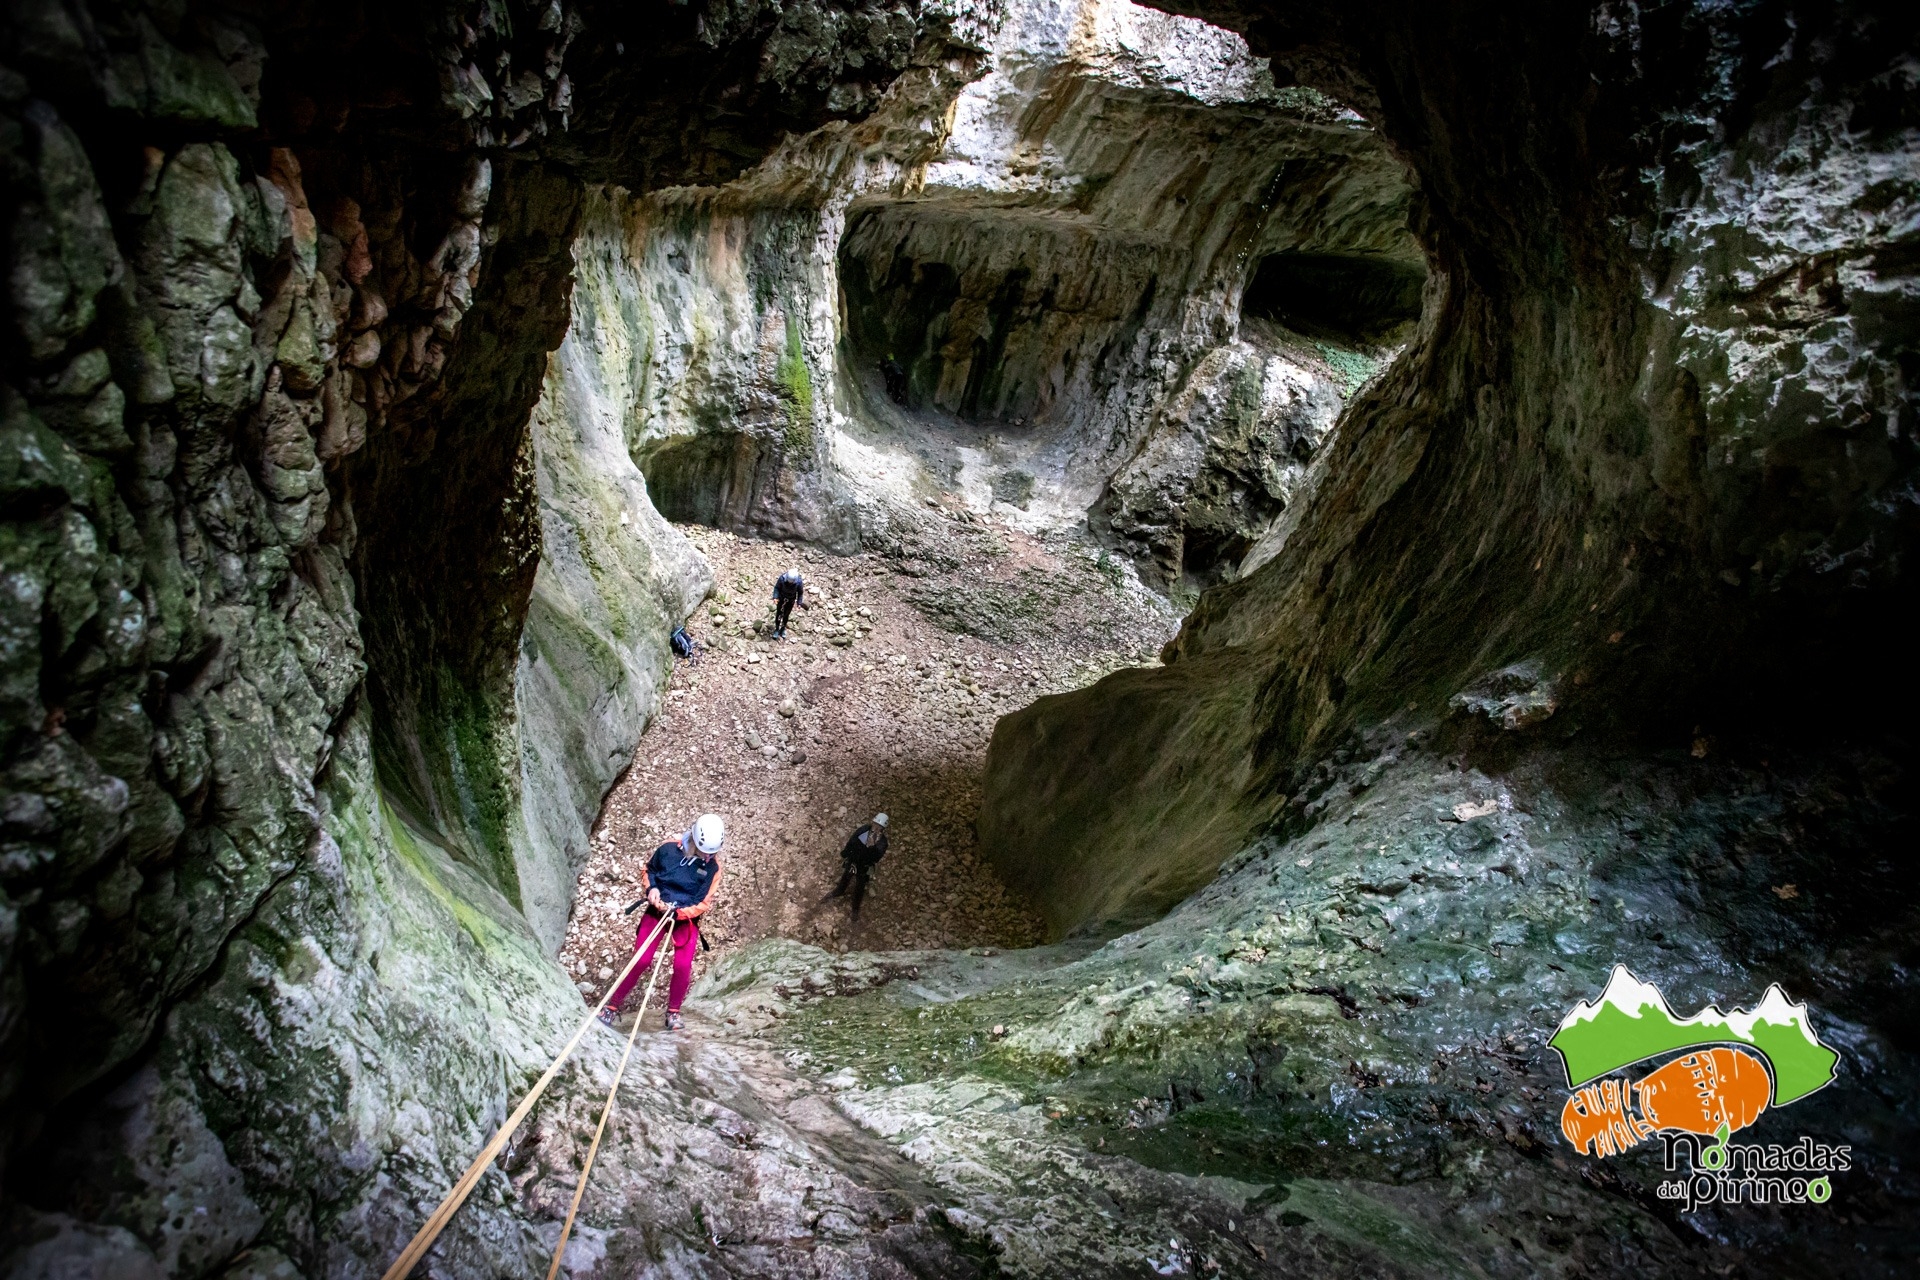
593	1149
418	1246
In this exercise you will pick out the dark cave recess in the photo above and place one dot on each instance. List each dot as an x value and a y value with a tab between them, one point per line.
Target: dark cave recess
1357	297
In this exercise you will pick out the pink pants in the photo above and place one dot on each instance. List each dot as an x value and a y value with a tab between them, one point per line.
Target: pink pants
686	941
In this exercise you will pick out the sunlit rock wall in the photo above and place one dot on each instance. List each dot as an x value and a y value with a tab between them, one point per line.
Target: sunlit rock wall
614	580
1059	287
1051	238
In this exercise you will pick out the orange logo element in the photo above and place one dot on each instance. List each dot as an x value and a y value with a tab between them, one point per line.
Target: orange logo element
1694	1094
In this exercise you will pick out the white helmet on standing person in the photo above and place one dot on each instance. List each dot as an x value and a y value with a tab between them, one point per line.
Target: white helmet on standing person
708	833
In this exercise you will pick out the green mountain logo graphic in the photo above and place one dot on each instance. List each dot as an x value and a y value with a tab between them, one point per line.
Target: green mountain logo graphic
1631	1021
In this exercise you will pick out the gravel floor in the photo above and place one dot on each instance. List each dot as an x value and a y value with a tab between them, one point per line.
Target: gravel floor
875	701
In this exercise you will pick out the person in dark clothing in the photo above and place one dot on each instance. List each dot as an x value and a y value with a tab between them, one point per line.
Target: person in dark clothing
680	877
864	847
789	589
896	378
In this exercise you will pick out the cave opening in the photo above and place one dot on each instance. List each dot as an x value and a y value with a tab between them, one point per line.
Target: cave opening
1355	298
993	318
708	479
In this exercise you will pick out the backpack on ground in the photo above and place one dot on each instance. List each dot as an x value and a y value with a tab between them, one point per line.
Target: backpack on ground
682	642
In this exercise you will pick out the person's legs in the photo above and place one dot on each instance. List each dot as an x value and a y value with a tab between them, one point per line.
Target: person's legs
686	944
781	612
859	890
639	971
846	878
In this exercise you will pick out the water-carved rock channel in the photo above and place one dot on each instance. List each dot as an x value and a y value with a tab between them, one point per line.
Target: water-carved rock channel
1339	533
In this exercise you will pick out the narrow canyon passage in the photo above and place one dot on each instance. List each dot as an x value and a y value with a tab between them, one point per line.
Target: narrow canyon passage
881	699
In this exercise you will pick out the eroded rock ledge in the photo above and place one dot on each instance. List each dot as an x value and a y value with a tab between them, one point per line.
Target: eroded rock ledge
1051	243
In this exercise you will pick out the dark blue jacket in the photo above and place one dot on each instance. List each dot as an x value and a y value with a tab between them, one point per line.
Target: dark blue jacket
681	875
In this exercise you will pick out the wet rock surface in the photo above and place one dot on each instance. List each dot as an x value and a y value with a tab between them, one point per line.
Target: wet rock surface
1334	1055
1048	241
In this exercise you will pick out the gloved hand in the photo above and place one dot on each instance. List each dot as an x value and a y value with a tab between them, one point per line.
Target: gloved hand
655	901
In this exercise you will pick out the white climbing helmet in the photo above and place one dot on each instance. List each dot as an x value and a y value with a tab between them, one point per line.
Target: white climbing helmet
794	573
709	833
879	819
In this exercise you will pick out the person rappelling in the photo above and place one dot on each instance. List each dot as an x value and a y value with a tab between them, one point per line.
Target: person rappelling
680	878
789	589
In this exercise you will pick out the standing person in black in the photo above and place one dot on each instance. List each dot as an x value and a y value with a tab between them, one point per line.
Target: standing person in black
789	589
866	846
896	380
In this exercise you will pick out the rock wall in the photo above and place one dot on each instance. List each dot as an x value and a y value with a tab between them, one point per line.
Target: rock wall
1051	239
1332	1059
286	800
614	580
1644	469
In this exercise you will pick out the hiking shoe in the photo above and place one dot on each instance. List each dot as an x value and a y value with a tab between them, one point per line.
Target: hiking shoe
674	1022
608	1014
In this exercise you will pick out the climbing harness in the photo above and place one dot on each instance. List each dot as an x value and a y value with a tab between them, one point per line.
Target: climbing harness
423	1240
635	906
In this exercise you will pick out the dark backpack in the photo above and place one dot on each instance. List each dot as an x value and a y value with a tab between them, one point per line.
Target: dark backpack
682	642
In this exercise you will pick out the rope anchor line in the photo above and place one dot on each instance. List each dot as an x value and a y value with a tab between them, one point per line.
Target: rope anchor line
435	1224
613	1091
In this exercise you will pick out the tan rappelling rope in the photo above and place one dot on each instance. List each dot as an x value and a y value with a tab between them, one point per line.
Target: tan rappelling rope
586	1169
418	1246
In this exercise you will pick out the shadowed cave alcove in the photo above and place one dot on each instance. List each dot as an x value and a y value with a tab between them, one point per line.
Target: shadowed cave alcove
709	479
1372	300
995	317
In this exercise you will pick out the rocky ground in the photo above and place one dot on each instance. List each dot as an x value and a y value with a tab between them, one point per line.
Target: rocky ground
1333	1060
881	698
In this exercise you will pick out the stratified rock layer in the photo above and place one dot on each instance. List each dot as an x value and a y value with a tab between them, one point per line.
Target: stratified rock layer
1045	246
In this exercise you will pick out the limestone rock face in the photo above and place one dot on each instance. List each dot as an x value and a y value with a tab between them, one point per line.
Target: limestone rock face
1231	451
1580	466
287	802
1049	239
614	580
1333	1059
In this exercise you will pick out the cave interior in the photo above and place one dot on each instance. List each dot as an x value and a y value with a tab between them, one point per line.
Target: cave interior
1515	404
